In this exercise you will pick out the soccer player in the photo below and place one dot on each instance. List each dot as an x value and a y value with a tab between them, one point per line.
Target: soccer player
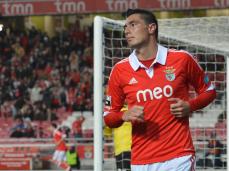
122	143
154	81
59	156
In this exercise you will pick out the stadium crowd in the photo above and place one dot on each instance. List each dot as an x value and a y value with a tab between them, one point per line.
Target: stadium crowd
41	74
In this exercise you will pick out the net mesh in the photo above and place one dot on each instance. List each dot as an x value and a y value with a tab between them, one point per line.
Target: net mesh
207	39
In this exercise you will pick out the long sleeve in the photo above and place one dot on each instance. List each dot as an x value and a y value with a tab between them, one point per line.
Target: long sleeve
199	80
202	100
114	101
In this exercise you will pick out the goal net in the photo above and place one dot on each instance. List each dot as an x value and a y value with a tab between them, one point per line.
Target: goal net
207	38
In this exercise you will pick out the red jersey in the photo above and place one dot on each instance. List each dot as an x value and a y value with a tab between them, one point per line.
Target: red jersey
162	136
77	125
57	136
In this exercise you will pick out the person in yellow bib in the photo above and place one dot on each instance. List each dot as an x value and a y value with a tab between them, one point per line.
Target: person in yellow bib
122	144
73	158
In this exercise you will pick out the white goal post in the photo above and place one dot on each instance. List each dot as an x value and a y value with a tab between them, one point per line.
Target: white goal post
207	38
98	95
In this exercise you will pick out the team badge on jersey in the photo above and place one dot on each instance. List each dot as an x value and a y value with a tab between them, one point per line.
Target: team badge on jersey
170	73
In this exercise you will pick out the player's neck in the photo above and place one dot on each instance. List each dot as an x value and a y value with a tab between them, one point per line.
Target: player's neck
147	52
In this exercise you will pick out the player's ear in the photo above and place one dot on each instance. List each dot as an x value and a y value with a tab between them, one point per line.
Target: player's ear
152	27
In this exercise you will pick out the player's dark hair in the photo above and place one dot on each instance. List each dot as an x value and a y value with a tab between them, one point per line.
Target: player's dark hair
147	16
54	125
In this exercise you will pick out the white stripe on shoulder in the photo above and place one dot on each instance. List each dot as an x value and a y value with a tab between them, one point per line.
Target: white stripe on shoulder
173	50
123	60
181	51
189	54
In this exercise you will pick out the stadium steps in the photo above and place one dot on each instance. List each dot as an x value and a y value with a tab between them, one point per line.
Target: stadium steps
206	119
87	126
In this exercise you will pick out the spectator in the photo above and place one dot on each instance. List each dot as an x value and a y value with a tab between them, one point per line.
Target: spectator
6	109
71	97
77	126
29	130
222	117
74	61
74	77
26	111
19	129
51	115
36	95
40	112
212	157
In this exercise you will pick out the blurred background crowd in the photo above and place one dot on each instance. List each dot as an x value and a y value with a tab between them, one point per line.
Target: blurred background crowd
43	77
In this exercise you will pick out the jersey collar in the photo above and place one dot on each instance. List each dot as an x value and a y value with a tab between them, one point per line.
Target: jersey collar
160	58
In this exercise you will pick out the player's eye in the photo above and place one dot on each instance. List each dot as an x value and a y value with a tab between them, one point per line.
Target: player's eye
130	26
133	25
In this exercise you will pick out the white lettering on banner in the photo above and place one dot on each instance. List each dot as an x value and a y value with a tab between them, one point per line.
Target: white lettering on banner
221	3
18	9
70	6
175	4
121	5
156	93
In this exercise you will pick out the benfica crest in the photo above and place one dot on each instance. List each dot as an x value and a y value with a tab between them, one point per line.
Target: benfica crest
170	73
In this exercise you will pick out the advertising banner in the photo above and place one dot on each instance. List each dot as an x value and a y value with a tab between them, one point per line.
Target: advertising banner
15	164
56	7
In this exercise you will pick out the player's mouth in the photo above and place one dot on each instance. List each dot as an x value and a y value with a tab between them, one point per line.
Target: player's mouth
129	38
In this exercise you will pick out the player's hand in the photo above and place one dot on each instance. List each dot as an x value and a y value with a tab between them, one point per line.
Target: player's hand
179	108
135	113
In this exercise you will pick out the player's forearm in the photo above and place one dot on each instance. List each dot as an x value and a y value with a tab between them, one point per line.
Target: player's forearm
113	119
58	143
202	100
